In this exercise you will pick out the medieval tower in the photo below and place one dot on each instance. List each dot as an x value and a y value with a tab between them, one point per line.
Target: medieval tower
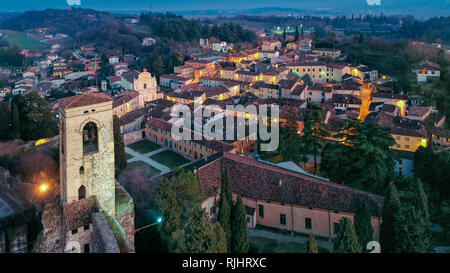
87	150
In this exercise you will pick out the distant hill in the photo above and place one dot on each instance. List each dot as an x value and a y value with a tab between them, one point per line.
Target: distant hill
57	20
85	25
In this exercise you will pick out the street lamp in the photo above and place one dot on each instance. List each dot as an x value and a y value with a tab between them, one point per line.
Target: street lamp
43	188
159	220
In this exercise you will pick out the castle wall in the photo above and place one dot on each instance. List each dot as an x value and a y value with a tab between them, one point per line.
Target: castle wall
103	239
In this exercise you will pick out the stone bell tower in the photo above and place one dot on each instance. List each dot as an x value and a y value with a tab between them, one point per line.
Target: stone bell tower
87	149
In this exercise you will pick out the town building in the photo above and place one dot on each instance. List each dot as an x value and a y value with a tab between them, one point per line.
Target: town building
426	70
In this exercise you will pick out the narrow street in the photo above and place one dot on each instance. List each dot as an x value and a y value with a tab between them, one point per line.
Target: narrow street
366	99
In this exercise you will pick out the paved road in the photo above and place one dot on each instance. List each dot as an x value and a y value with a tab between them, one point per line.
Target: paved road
140	157
285	238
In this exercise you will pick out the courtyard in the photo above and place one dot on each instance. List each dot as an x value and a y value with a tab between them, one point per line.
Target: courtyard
156	159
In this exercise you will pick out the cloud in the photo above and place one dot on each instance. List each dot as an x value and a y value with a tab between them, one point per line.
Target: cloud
374	2
74	2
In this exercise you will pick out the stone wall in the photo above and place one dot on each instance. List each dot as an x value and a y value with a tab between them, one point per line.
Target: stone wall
50	239
125	212
132	137
103	239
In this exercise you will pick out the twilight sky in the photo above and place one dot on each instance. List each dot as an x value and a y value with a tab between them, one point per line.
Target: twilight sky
178	5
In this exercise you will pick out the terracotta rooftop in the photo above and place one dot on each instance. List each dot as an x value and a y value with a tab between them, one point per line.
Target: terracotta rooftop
79	213
257	180
83	100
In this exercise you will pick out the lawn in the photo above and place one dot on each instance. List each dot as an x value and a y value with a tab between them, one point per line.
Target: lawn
22	41
128	156
170	159
147	169
144	146
266	245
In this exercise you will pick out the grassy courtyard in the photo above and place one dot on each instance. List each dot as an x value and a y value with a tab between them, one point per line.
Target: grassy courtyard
268	245
170	159
146	169
144	146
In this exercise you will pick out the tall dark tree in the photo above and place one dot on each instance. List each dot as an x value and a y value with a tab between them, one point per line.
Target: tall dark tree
387	230
410	229
15	122
420	203
36	118
363	158
178	200
157	65
296	33
120	159
284	34
346	240
290	145
220	239
310	244
363	225
199	234
239	238
5	121
314	132
225	206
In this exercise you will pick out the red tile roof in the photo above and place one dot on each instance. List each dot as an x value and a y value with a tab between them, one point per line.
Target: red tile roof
79	213
254	179
83	100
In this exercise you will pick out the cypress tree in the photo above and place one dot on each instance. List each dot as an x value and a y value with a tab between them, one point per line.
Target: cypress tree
363	225
5	120
220	239
15	122
284	34
120	159
311	245
420	203
199	233
225	206
346	241
167	204
239	239
296	33
410	231
390	207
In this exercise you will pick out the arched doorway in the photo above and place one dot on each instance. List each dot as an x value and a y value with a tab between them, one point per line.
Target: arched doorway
81	192
144	135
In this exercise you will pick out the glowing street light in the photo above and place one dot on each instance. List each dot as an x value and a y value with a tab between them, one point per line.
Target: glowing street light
43	188
159	220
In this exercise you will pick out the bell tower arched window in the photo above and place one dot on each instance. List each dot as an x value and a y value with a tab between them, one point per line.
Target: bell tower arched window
90	138
81	192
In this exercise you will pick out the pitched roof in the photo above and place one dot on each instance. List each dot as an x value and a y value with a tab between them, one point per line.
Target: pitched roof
254	179
83	100
79	213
